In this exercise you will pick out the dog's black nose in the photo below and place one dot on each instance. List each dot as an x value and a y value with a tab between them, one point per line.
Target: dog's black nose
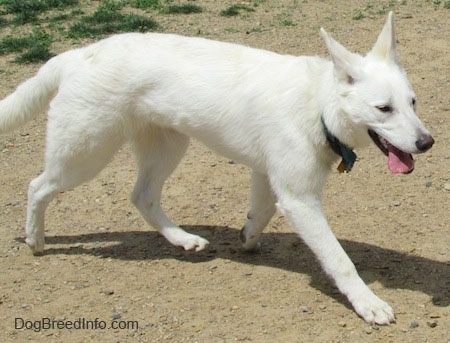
424	143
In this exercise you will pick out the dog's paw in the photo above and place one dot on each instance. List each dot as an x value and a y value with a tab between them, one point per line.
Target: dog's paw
36	246
250	244
374	310
195	243
180	238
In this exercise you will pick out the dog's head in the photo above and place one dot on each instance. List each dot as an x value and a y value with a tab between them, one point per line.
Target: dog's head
377	101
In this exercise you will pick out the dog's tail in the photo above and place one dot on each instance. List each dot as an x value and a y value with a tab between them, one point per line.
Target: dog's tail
32	97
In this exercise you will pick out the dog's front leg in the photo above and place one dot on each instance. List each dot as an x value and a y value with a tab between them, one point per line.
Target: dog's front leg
305	214
262	208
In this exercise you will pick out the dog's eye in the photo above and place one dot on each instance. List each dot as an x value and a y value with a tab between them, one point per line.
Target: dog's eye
384	108
413	102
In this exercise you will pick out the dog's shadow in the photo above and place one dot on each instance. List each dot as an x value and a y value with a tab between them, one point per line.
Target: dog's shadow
393	269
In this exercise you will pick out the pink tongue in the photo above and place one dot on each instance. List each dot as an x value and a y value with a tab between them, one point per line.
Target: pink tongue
399	162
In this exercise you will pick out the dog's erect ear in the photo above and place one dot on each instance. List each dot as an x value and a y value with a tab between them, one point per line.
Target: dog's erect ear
385	46
346	63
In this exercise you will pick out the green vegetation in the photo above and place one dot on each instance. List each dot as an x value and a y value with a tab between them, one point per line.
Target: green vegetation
27	11
29	27
372	10
144	4
235	10
182	9
108	19
32	48
51	20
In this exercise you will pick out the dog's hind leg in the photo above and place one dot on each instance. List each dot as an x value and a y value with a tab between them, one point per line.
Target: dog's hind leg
262	208
158	152
40	192
73	156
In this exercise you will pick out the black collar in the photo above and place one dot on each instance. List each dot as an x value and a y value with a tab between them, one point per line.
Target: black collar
347	154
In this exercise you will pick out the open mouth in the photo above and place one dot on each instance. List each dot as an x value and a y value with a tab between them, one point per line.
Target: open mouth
399	162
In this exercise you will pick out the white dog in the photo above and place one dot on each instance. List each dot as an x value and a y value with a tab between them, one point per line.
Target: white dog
289	118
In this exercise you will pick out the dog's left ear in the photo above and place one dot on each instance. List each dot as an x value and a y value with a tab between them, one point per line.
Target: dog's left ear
385	47
346	63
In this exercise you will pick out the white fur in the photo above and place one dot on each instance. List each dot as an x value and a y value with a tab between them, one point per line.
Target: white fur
253	106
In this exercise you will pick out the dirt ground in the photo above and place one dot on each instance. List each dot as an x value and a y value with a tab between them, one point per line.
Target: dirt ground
103	264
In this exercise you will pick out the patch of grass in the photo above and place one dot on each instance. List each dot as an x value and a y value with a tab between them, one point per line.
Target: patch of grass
36	54
70	21
182	9
235	10
437	4
285	19
230	12
11	44
287	22
143	4
108	19
16	44
231	30
3	22
258	2
256	29
27	11
27	16
32	49
359	16
59	18
379	9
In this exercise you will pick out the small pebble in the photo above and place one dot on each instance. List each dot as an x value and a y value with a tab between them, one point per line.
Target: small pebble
414	325
436	299
116	316
304	309
396	203
432	323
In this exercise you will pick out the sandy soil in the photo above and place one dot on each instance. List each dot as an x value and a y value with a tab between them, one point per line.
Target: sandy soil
102	262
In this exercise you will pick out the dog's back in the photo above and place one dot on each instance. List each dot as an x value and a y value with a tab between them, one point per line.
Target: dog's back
206	89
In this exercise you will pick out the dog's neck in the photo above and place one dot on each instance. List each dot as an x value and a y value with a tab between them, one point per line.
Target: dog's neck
347	154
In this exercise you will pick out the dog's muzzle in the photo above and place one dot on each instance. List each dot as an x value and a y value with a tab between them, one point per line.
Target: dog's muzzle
400	162
424	143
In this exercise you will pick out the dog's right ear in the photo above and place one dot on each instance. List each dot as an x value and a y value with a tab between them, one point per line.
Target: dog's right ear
346	63
385	46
